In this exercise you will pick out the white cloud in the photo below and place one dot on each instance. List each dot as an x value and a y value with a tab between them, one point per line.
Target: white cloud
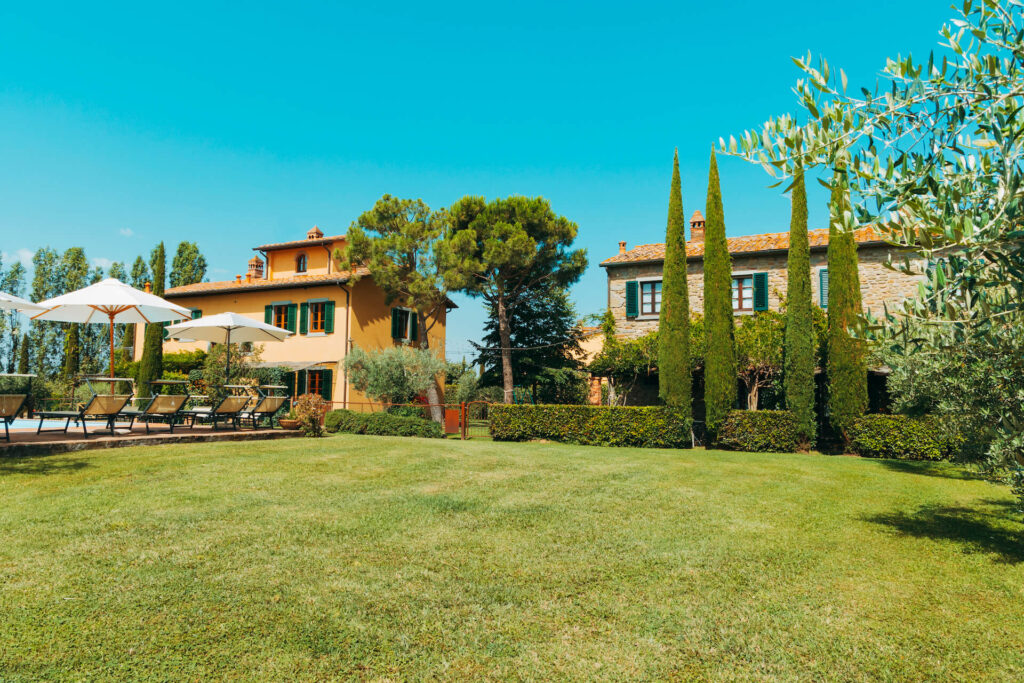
126	232
103	263
23	256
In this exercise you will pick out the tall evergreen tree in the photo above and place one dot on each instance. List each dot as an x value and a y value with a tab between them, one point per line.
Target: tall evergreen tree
140	274
46	337
13	282
544	321
675	383
23	352
188	266
798	349
720	360
74	274
847	364
151	363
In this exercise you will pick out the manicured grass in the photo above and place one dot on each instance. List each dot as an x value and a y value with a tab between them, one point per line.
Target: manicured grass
378	558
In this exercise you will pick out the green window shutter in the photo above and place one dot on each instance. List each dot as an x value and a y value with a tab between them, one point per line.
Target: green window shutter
414	326
300	382
329	317
395	332
268	315
289	381
326	384
823	287
293	310
303	318
196	314
632	299
164	325
760	291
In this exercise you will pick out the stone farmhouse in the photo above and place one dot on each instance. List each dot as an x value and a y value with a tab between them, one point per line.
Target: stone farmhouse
758	275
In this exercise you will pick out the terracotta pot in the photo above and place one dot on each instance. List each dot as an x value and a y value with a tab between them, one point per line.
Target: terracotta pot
288	424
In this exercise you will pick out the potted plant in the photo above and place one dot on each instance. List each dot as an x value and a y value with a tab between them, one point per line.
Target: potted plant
289	421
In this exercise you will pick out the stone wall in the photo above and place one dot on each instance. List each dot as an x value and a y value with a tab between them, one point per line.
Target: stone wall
878	284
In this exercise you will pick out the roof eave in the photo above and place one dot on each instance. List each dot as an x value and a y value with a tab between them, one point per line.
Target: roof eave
255	288
759	252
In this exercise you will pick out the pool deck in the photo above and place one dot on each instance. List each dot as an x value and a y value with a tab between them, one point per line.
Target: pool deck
26	442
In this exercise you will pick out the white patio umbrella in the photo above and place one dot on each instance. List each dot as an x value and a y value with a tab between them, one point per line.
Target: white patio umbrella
225	328
9	302
110	301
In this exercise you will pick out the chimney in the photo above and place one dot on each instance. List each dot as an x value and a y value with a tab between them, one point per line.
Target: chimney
622	247
314	234
238	279
149	287
255	268
248	278
697	227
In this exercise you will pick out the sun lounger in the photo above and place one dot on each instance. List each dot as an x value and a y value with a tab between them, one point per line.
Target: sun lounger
229	409
104	407
10	407
265	409
163	407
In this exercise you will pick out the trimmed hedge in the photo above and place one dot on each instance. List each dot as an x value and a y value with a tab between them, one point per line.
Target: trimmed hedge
644	427
760	431
381	424
902	437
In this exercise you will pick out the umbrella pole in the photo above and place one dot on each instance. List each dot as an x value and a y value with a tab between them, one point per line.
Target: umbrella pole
227	348
111	348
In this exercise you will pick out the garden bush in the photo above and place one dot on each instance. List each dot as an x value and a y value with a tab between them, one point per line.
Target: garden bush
902	437
759	431
645	427
381	424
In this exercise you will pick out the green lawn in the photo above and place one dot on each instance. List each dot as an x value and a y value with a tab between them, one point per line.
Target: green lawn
377	558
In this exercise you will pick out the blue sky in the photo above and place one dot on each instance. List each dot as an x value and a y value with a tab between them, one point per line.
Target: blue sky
237	124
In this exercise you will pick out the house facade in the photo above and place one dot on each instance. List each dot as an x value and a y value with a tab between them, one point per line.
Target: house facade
759	275
295	285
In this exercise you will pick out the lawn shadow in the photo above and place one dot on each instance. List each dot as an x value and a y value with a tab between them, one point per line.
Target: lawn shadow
994	529
41	464
931	469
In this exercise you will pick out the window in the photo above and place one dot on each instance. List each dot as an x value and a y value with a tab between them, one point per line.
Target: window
404	326
743	293
823	287
300	263
317	317
650	297
315	383
281	316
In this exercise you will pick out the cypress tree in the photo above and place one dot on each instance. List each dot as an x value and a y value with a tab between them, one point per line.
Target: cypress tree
720	360
674	380
847	365
23	356
151	363
798	347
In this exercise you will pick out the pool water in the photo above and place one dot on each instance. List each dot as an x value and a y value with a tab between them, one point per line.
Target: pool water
47	424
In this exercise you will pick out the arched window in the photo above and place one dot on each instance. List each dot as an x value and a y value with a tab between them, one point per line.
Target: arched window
300	263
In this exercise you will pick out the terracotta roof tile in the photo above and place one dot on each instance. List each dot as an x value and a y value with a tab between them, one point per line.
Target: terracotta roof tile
201	288
299	243
747	244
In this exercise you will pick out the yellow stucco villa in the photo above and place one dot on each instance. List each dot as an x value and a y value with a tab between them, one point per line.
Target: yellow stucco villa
296	285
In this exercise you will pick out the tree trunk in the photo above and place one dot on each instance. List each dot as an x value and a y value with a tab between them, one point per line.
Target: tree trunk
433	393
752	396
505	335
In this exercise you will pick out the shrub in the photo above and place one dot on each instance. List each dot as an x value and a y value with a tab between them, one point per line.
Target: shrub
345	421
309	411
760	431
407	410
902	437
645	427
381	424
